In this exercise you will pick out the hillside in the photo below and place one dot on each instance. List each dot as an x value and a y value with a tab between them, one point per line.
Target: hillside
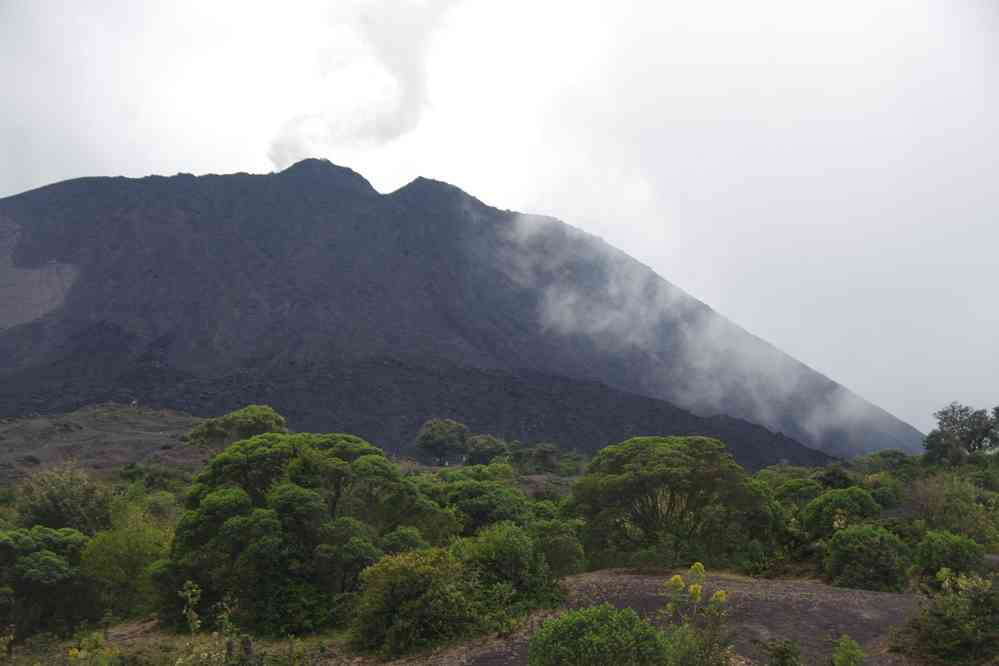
383	400
103	438
169	289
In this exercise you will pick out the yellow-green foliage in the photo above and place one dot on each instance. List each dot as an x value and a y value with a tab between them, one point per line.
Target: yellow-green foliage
118	561
696	621
847	652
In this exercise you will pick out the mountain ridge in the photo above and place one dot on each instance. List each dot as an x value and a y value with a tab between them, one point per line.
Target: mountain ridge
214	274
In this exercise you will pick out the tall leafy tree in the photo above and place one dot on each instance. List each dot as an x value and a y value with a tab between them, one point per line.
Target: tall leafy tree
962	431
442	438
648	490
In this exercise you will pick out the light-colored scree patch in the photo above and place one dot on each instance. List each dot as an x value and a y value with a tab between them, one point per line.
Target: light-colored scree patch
29	293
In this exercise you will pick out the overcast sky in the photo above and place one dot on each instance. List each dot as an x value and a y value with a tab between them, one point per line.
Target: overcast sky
826	174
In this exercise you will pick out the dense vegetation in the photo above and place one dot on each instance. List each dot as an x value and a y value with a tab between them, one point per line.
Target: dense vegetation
296	533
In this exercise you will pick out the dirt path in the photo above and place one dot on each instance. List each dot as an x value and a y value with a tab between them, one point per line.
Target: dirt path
811	613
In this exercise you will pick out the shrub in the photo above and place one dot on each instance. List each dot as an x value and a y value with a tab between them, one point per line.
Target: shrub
236	425
41	588
118	561
835	477
698	634
562	549
885	496
960	623
505	555
867	557
782	652
273	522
687	492
64	496
836	509
414	600
798	492
402	540
953	503
847	652
944	549
483	503
598	636
442	438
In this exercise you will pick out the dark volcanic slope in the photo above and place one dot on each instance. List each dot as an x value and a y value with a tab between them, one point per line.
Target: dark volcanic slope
386	400
143	286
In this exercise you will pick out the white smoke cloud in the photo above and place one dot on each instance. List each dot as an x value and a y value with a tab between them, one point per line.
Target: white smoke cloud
374	79
694	357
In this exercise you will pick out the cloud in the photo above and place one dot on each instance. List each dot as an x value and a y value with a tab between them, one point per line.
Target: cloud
375	94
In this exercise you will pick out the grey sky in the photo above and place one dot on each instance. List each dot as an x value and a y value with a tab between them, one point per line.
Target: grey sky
824	174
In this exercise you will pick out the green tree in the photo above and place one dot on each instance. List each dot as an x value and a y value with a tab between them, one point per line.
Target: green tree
962	431
484	503
505	556
284	523
41	588
867	557
442	438
650	490
415	600
940	549
960	623
798	492
836	509
950	501
236	425
118	561
64	495
483	448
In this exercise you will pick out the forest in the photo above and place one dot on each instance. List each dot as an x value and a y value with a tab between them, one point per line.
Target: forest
301	548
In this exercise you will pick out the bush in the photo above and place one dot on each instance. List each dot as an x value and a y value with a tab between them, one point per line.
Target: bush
41	589
64	496
885	496
414	600
938	550
847	652
698	633
562	549
240	424
483	503
836	509
782	652
118	561
953	503
959	624
798	492
402	540
442	439
867	557
505	555
598	636
273	522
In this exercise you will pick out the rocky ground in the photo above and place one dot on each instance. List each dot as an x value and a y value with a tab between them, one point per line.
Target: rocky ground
811	613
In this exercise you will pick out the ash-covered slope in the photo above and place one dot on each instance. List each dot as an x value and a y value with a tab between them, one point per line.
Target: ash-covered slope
199	280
